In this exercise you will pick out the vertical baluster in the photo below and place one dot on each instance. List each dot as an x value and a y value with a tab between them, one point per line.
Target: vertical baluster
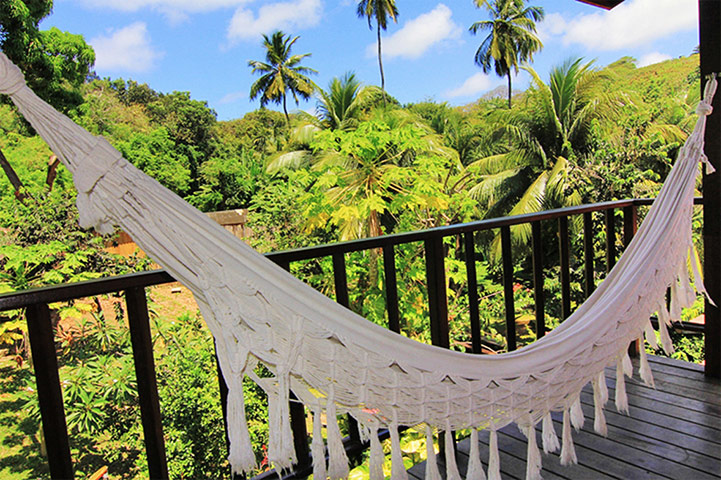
508	287
391	284
50	396
470	257
630	225
588	254
141	341
610	239
297	416
565	255
538	279
438	304
437	299
340	278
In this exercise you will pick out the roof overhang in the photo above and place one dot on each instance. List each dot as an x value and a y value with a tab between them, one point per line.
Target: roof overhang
607	4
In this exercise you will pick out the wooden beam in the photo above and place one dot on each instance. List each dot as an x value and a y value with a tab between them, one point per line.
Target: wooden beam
607	4
710	48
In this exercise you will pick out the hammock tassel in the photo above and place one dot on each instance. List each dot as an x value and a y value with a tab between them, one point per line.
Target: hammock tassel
533	457
451	465
398	469
577	418
602	387
550	439
494	461
664	321
338	462
280	446
376	458
432	472
475	467
241	457
650	335
645	369
317	447
568	451
599	418
621	398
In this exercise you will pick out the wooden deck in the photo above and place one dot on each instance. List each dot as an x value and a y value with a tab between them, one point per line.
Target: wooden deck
673	431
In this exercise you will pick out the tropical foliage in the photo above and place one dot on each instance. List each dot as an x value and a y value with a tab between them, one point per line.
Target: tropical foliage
365	165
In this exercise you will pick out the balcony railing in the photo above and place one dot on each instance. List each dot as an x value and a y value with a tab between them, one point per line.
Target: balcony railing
42	342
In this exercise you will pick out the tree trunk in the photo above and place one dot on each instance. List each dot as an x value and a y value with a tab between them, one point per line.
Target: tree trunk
285	110
52	172
510	89
13	178
380	64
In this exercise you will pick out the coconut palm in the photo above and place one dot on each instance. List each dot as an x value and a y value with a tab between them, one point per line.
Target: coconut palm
281	73
345	100
547	140
511	39
381	10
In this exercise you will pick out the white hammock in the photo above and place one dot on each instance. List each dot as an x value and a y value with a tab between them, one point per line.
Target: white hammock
336	361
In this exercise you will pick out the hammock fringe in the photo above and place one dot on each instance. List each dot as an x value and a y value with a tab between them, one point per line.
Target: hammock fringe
398	469
568	452
475	467
550	439
432	471
494	461
450	455
317	447
377	458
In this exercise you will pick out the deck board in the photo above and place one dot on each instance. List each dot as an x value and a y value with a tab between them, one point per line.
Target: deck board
673	431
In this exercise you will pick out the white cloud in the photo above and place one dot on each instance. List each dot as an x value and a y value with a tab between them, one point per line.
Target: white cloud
291	15
473	85
184	6
232	97
418	35
631	24
651	58
127	49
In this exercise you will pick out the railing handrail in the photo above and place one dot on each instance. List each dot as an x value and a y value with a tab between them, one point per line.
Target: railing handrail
70	291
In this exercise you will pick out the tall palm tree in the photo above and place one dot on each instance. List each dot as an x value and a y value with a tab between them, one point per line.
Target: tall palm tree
547	140
281	73
381	10
512	37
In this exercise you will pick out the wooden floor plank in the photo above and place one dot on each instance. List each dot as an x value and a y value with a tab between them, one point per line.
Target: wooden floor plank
673	431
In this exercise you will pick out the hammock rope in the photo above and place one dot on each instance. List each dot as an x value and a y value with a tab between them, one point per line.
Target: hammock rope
337	362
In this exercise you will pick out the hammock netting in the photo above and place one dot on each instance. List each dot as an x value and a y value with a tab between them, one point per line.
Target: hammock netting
337	362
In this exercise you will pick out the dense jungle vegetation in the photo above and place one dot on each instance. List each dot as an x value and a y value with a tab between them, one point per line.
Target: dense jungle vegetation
364	165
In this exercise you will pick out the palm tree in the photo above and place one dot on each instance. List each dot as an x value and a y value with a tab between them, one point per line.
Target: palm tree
382	10
511	39
548	138
281	73
345	100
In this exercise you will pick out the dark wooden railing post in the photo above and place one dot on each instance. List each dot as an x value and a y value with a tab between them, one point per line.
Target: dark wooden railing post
141	341
50	396
538	279
507	260
470	258
710	49
391	288
437	298
340	278
564	246
297	417
610	239
588	254
630	225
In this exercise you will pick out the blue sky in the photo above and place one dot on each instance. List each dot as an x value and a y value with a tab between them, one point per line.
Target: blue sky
203	46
